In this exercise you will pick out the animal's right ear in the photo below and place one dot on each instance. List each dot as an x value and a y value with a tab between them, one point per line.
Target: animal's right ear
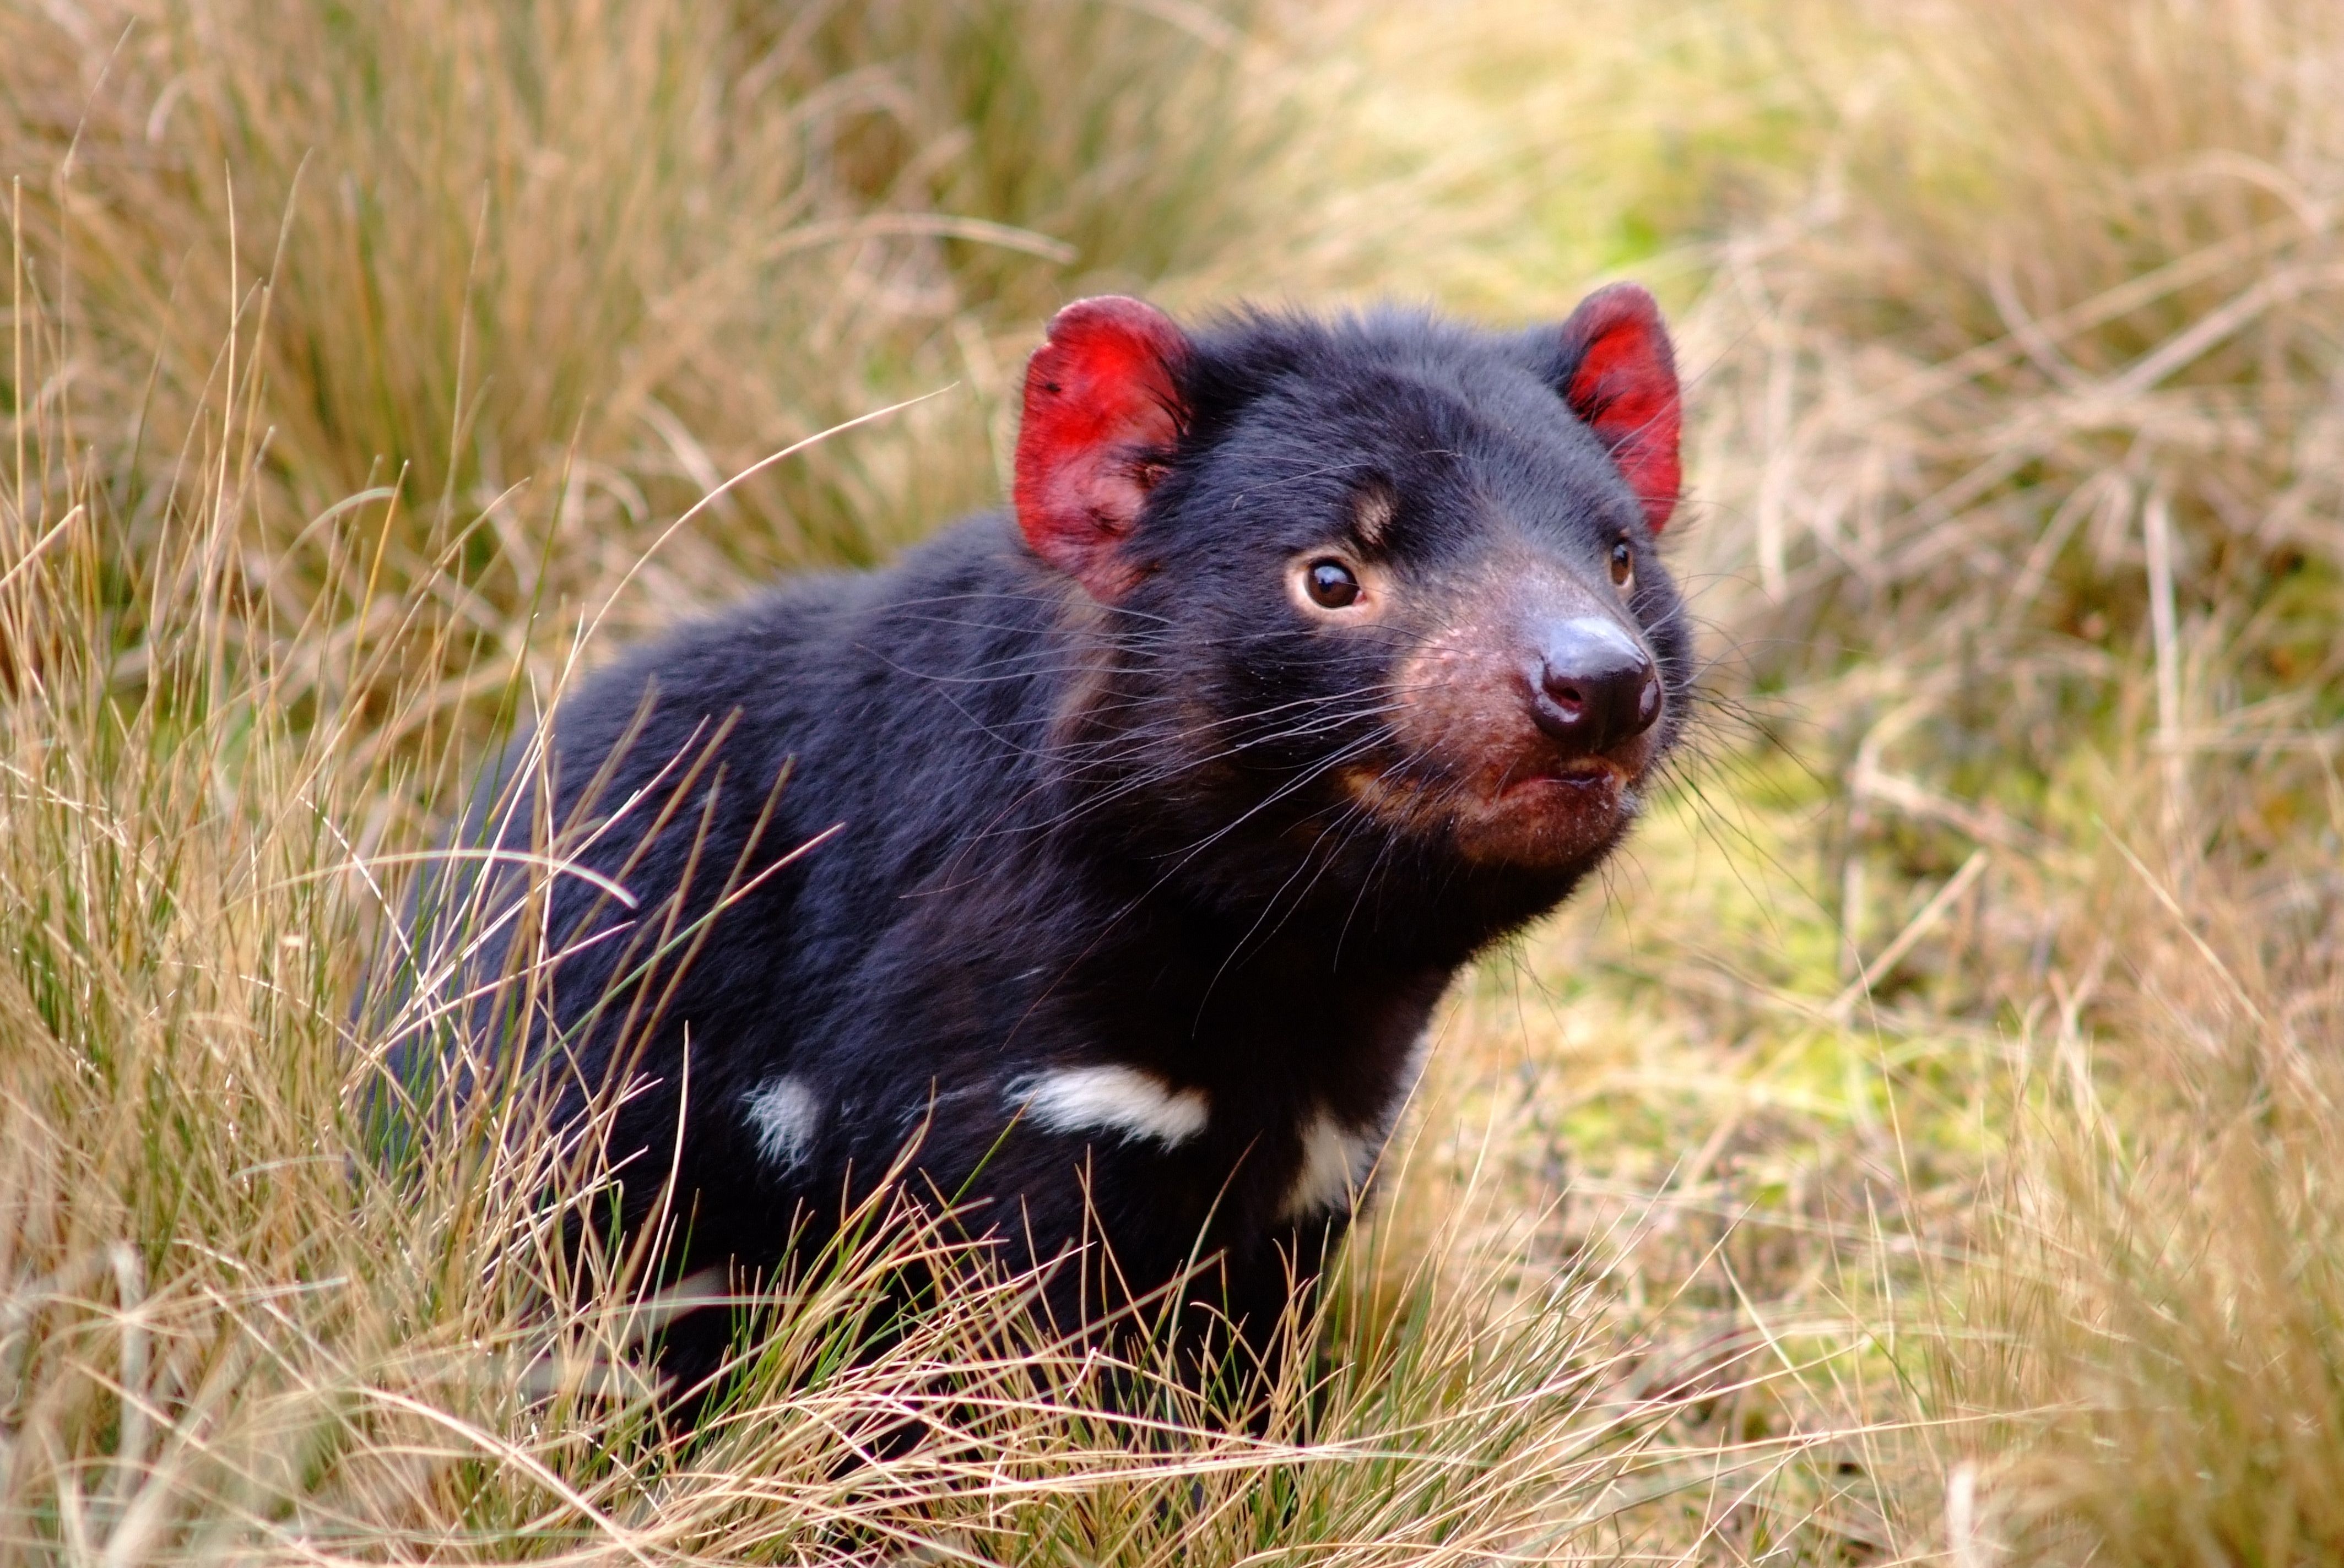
1102	405
1617	372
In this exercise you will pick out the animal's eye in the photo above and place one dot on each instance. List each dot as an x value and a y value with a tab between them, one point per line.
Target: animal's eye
1623	563
1331	585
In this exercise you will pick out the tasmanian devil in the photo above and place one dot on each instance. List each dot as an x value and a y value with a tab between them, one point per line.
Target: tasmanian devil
1314	657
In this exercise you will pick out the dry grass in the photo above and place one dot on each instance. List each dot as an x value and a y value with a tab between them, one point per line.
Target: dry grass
1922	1146
2033	525
549	272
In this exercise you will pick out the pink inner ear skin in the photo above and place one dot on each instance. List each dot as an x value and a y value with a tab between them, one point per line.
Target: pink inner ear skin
1099	393
1625	389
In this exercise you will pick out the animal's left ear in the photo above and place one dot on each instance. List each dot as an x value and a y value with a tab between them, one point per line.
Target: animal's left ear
1619	375
1102	400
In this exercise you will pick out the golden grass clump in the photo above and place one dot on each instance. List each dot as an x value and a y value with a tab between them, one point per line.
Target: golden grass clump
553	271
2042	371
2018	467
2153	1327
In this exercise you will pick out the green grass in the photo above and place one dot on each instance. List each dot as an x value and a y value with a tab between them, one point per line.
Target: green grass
1921	1145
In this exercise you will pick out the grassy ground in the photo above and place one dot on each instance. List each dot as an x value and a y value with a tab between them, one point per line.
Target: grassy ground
1922	1146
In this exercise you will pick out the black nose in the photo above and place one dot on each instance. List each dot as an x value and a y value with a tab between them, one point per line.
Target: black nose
1594	685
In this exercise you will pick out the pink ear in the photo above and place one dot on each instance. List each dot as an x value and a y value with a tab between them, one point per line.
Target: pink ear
1620	378
1100	395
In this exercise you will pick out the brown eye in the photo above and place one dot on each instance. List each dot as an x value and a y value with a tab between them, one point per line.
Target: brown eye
1331	585
1623	563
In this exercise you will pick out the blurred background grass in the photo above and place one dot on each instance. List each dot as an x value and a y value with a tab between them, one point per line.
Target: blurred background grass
1922	1146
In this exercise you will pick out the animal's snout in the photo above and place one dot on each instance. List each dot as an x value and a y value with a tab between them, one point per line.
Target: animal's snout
1593	686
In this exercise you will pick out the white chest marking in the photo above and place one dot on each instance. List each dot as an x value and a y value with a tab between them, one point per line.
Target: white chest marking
783	1115
1112	1100
1335	1165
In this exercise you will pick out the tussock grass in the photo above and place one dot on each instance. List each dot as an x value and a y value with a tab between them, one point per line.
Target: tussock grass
2161	1312
551	272
2056	317
1920	1146
2034	531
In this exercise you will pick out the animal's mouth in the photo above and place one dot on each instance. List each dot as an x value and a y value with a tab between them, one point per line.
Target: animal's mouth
1553	814
1555	818
1580	783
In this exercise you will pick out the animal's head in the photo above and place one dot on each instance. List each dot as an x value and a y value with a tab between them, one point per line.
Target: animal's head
1385	575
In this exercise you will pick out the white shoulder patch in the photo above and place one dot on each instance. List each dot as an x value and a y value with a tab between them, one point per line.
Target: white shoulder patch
1112	1100
783	1113
1335	1165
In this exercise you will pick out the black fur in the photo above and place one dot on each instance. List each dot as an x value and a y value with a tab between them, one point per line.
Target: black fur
1064	834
